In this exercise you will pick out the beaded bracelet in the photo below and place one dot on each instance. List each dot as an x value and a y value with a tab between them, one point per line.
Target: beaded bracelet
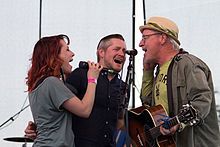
92	80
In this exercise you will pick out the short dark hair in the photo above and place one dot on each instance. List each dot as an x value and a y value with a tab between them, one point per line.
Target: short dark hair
105	42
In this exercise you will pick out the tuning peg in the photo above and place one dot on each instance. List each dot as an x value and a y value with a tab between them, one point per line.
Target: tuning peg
191	123
186	105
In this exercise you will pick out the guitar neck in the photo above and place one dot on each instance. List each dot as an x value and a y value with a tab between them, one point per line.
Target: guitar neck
155	132
172	122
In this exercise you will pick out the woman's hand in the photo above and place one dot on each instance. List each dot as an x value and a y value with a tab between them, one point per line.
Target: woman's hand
94	70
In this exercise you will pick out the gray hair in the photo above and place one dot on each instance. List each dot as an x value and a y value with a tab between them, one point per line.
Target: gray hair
174	43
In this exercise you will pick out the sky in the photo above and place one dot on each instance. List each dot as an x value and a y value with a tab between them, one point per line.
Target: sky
85	22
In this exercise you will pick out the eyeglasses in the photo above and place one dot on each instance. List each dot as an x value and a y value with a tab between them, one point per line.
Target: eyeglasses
144	37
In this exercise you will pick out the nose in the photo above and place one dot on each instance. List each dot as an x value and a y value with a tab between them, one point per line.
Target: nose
141	43
73	54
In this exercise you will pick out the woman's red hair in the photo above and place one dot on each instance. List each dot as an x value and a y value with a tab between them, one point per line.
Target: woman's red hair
45	60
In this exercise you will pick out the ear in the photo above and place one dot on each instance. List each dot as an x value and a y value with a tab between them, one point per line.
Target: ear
101	53
163	38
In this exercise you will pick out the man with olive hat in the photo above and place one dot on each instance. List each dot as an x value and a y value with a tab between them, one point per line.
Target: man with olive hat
173	77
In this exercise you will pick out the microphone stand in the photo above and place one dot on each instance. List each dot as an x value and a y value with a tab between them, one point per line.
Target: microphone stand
12	118
129	80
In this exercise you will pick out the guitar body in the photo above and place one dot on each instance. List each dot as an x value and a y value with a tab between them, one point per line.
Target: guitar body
141	120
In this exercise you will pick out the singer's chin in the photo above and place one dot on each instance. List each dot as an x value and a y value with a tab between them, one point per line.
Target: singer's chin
67	68
118	68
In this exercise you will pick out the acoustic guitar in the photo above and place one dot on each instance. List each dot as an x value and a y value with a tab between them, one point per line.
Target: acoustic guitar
144	125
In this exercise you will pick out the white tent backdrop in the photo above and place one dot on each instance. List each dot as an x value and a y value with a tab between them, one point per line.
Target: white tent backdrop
85	22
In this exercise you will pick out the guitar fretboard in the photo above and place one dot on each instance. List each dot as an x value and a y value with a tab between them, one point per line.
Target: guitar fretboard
155	132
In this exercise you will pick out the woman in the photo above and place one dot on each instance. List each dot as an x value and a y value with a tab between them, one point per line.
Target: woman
50	100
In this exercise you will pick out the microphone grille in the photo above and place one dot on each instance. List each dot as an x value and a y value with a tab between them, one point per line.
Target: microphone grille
83	64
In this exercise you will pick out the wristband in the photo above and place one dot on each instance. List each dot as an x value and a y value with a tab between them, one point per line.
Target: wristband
92	80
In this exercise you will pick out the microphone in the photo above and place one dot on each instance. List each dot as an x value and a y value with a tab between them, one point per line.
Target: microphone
131	52
85	65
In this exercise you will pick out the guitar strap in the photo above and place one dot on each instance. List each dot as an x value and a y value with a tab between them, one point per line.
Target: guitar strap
40	81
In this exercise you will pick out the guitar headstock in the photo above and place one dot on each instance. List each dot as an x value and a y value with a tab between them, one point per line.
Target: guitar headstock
188	115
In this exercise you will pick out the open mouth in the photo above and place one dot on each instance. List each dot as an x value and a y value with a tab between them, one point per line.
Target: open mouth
144	49
119	61
69	62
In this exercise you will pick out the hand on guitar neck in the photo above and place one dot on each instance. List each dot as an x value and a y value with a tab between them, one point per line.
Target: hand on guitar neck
170	131
166	128
170	125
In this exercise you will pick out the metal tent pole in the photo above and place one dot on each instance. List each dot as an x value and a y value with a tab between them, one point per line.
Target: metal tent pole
133	47
144	12
40	18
